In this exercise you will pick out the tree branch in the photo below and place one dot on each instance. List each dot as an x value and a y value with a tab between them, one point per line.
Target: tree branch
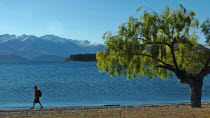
167	66
203	72
161	43
173	55
207	62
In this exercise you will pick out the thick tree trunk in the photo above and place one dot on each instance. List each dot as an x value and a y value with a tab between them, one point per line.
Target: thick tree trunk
196	93
195	82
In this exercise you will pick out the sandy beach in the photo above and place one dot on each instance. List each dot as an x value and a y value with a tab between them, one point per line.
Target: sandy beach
98	109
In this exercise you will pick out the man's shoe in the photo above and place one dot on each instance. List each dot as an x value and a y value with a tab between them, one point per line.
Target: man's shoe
31	108
41	107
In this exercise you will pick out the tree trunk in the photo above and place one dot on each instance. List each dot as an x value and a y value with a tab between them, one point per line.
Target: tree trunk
196	93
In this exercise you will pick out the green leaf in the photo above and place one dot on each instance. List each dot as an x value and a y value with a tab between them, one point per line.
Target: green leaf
137	10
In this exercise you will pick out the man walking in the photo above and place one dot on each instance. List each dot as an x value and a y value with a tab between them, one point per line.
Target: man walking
37	94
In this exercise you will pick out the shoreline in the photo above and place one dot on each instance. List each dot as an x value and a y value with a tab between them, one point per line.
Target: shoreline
95	105
98	109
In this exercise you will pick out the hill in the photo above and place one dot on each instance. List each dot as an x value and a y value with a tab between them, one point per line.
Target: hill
12	57
30	46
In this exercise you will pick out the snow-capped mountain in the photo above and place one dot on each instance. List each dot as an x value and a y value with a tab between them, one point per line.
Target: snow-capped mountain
30	46
6	37
86	43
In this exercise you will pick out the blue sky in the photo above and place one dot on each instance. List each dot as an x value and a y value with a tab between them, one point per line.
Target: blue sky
81	19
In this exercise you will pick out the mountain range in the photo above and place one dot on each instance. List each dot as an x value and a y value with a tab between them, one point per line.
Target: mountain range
30	46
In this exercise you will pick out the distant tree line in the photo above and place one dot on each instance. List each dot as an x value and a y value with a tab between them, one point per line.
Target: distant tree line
82	57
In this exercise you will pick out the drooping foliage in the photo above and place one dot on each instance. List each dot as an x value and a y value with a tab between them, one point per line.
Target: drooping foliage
206	30
155	45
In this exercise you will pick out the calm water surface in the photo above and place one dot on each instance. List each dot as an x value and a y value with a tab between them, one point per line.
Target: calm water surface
80	84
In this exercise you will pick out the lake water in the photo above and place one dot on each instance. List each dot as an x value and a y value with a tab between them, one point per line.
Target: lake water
80	84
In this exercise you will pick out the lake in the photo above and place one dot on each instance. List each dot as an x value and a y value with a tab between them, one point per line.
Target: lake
66	84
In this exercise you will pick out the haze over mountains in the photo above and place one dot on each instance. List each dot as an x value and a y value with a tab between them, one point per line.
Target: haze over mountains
30	46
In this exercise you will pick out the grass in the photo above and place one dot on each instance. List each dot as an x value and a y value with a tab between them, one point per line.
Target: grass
168	113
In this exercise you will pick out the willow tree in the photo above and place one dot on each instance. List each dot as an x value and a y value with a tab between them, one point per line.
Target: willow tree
159	45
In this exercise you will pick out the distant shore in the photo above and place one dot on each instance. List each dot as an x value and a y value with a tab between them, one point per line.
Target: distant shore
98	109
